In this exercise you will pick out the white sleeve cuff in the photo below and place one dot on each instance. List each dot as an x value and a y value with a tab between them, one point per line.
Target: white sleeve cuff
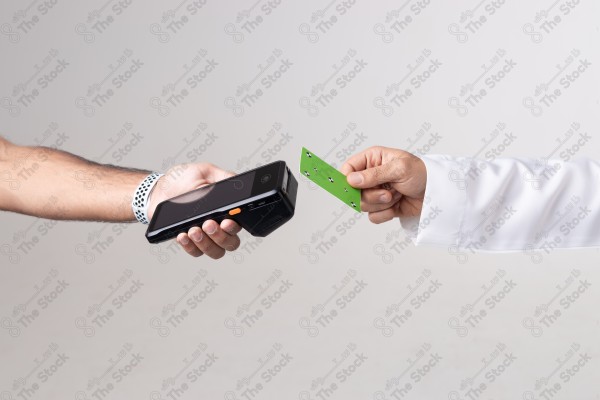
444	205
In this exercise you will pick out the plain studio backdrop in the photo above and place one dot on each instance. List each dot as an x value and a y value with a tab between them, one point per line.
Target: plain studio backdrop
330	305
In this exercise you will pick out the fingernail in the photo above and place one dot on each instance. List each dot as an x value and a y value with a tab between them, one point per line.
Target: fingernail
211	229
383	198
196	235
184	241
355	178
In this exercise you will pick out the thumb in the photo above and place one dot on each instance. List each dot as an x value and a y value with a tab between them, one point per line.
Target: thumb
392	171
212	173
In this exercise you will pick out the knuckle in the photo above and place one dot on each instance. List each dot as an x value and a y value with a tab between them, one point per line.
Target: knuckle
203	246
377	175
235	245
398	169
222	242
210	248
230	239
218	255
205	165
194	252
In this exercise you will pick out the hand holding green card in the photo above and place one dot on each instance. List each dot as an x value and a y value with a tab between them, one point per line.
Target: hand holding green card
329	179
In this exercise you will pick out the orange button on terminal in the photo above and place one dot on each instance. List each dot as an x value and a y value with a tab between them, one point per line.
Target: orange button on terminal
235	211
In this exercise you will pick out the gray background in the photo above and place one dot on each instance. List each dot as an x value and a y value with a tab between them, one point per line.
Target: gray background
367	349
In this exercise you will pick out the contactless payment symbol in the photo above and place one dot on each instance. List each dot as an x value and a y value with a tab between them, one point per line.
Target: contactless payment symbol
329	179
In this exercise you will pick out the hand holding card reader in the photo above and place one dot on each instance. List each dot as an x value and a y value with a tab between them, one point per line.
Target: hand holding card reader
259	200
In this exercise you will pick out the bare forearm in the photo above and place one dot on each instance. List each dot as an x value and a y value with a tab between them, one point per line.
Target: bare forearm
58	185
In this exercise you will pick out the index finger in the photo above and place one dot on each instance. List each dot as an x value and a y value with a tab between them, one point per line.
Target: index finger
359	161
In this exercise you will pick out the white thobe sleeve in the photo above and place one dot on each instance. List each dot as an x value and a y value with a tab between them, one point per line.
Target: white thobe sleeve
508	204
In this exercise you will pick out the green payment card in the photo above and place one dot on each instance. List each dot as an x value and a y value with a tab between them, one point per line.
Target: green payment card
329	179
